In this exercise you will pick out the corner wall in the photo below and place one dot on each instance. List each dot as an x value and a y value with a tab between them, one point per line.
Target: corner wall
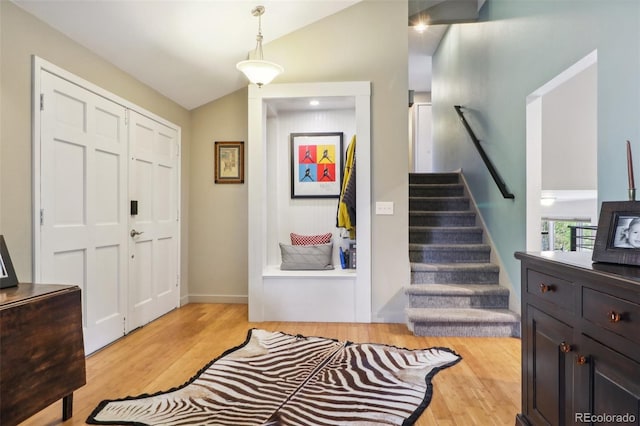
491	66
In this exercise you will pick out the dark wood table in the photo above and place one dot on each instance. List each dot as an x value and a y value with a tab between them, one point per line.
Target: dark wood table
41	349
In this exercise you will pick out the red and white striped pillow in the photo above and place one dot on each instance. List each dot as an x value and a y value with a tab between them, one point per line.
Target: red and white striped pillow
307	240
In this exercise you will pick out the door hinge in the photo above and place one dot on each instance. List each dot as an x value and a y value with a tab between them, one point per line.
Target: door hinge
126	117
41	217
124	325
41	101
178	280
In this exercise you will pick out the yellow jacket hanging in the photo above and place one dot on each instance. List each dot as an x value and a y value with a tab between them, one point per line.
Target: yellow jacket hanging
347	205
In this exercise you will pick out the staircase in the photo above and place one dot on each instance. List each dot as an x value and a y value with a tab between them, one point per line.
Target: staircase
454	287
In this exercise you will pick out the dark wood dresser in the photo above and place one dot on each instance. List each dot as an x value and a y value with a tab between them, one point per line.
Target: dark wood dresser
41	349
580	341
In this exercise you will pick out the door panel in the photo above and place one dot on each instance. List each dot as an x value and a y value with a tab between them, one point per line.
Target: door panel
92	161
153	182
608	384
83	238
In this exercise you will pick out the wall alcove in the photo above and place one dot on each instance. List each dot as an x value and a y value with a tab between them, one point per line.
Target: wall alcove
276	111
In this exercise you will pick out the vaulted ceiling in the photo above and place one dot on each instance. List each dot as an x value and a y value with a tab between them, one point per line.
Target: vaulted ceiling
187	50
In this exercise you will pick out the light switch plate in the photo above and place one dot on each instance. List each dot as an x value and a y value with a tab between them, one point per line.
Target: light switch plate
384	207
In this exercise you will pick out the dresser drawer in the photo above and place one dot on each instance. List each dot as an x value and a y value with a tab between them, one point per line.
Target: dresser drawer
553	290
617	315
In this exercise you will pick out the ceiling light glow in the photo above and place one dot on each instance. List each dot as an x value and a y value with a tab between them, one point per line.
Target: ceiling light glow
420	27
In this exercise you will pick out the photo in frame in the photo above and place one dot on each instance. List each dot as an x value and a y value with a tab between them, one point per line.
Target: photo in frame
618	235
229	162
7	273
317	161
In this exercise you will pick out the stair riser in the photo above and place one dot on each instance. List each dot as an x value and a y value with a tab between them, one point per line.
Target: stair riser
464	330
444	219
432	179
457	256
454	277
439	204
436	191
484	302
439	236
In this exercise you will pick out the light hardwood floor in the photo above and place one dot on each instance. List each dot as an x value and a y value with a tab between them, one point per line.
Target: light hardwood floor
483	389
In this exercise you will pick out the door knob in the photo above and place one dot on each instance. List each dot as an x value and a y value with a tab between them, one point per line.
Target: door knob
134	233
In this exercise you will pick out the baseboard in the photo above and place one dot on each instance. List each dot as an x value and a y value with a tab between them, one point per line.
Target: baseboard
503	280
389	317
218	298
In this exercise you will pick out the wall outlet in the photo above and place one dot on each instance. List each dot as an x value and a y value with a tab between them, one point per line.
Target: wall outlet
384	207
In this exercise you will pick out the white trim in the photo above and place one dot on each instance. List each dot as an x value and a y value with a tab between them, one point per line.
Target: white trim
275	271
257	191
564	76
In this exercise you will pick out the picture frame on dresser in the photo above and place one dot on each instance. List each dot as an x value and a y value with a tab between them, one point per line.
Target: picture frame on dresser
618	234
7	273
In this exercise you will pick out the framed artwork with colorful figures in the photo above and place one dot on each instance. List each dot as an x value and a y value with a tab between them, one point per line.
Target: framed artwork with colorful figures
317	161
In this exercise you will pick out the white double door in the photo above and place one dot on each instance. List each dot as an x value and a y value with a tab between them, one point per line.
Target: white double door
96	157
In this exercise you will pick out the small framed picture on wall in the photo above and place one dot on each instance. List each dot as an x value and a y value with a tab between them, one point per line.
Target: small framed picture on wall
317	161
229	162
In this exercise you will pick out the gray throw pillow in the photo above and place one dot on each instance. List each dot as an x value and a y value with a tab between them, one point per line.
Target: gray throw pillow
310	257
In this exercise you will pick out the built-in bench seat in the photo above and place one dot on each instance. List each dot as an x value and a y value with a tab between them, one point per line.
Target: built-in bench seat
316	296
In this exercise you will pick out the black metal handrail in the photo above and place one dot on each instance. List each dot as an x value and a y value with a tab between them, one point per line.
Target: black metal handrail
492	170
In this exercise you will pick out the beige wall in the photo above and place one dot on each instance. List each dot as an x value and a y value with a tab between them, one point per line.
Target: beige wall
365	42
218	212
21	36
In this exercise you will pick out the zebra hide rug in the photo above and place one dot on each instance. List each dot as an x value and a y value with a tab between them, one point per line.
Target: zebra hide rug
275	378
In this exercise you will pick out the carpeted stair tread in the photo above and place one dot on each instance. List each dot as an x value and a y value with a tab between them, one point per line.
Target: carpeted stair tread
439	203
462	315
454	267
446	228
440	212
442	218
445	199
456	289
445	235
442	178
450	247
436	190
435	185
449	253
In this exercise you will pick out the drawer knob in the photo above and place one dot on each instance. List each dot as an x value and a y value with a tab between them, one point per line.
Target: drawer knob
565	348
544	288
581	360
614	316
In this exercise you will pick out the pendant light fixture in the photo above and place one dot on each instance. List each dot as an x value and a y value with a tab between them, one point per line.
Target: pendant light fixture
257	70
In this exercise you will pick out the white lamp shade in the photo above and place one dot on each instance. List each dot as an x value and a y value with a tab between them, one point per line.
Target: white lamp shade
258	71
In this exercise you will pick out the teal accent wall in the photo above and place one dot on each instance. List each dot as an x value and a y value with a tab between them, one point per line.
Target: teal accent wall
491	66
